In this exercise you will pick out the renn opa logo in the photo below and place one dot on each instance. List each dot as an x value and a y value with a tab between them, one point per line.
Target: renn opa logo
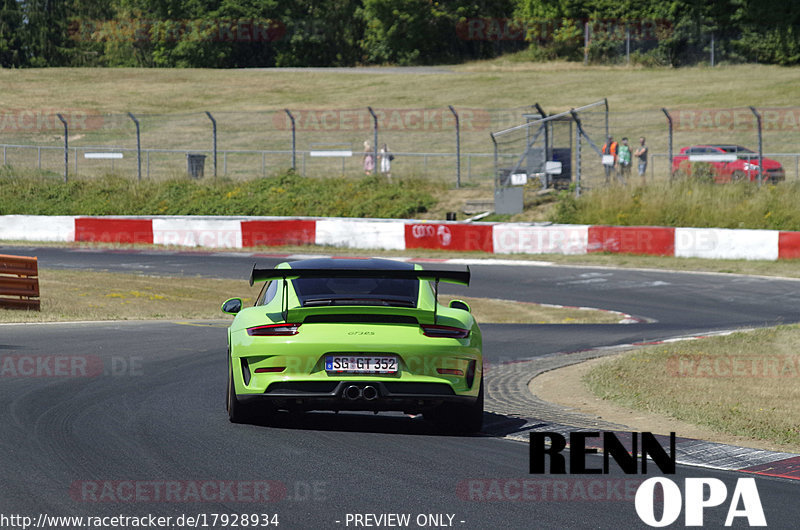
744	503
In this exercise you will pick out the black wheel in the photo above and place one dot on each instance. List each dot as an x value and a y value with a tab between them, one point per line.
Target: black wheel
238	412
738	176
457	417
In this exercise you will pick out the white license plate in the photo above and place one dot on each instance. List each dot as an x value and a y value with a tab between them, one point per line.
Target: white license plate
360	364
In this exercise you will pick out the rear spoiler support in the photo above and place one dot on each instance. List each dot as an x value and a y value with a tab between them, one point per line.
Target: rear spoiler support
435	299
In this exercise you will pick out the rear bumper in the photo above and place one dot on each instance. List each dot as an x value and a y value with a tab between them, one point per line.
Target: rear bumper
357	395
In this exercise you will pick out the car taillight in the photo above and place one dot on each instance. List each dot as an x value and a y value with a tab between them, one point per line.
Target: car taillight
447	371
270	370
273	330
447	332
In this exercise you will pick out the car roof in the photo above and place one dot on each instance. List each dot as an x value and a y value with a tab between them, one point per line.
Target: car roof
721	146
351	263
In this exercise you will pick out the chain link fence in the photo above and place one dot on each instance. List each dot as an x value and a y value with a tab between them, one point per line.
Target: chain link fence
316	142
425	142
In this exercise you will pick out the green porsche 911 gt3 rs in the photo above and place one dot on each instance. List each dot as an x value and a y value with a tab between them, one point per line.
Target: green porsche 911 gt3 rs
355	334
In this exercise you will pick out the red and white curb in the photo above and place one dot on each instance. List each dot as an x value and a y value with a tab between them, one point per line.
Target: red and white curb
403	234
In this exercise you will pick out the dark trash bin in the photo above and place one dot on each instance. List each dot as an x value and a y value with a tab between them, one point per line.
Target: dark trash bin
196	165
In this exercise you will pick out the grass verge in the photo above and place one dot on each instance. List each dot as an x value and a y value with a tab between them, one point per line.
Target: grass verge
285	195
686	202
69	295
744	384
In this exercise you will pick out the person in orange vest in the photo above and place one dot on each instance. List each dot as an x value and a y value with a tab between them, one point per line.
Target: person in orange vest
609	151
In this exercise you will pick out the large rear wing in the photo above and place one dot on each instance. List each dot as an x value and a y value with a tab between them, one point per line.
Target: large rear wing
449	276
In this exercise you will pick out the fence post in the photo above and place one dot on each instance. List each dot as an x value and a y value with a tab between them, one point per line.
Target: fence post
585	43
760	147
294	144
138	148
66	146
374	139
605	100
458	147
669	129
712	49
578	161
496	163
214	138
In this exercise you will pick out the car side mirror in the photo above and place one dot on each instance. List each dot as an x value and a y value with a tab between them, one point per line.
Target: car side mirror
460	304
232	306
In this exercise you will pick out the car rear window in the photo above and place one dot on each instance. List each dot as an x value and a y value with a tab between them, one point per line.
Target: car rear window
735	149
357	291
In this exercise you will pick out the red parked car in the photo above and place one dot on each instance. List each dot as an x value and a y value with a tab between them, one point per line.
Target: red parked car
743	167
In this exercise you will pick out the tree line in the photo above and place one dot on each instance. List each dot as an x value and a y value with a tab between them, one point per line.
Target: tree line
264	33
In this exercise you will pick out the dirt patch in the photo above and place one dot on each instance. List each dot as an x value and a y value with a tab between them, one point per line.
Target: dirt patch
564	386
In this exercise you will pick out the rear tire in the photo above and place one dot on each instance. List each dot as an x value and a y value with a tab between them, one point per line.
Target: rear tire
238	412
738	176
459	418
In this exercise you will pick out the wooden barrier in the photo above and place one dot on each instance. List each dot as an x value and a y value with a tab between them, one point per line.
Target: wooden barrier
19	282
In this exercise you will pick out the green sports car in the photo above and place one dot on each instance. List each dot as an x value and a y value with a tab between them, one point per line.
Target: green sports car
355	334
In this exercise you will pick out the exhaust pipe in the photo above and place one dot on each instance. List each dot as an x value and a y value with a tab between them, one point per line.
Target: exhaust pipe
370	393
352	393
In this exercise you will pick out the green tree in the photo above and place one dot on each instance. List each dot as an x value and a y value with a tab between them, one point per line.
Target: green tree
320	33
11	43
770	31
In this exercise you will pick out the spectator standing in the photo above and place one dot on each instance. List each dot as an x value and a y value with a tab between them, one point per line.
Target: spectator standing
369	159
624	160
385	158
609	158
641	154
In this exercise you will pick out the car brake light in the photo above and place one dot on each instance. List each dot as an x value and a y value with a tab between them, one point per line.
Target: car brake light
448	332
273	330
270	370
446	371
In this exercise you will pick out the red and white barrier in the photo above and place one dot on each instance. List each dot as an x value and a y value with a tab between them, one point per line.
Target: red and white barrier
401	234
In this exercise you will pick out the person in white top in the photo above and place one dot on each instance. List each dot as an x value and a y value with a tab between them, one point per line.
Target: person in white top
385	158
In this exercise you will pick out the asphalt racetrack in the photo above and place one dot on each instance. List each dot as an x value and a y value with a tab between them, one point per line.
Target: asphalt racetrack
139	426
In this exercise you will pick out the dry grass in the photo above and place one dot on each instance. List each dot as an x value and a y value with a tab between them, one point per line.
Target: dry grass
500	311
499	84
745	384
87	295
510	83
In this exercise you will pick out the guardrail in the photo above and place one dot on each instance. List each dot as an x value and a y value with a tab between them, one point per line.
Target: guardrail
19	282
